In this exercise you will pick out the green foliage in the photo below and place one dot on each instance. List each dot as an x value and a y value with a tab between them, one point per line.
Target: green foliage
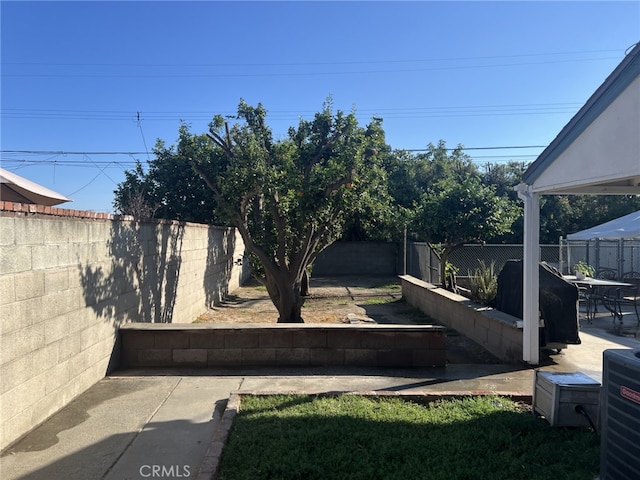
504	176
463	210
564	214
484	284
291	198
135	195
169	187
375	217
450	269
583	267
453	206
361	437
397	186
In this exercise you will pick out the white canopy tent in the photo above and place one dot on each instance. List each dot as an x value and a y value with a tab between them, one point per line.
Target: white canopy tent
612	248
597	152
626	227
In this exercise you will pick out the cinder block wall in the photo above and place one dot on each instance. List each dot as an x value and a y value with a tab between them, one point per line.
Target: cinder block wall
68	279
496	331
300	345
359	258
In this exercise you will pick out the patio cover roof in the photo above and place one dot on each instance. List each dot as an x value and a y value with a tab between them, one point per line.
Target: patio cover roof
14	188
597	152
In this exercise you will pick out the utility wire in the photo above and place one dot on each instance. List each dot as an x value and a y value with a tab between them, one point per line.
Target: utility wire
284	64
91	181
144	142
398	112
285	74
62	152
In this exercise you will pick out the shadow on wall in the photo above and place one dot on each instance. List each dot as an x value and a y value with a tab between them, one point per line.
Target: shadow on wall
141	281
221	249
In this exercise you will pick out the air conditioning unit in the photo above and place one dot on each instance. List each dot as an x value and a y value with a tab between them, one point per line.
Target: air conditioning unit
620	415
566	399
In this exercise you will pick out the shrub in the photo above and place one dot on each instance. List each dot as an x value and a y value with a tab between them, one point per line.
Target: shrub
484	284
584	268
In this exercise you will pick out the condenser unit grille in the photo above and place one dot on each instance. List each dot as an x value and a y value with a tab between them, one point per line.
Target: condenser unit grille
620	445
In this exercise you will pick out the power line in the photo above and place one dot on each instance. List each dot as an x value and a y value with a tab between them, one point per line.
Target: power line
285	74
476	148
386	113
62	152
161	113
15	158
285	64
172	67
19	163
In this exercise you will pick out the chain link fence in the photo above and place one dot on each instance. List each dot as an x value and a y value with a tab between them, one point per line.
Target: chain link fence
609	258
423	263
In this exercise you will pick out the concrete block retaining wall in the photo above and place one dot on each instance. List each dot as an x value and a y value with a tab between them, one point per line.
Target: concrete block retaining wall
68	279
496	331
201	345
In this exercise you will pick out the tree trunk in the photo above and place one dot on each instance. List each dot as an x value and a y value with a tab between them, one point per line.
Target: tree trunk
304	286
285	295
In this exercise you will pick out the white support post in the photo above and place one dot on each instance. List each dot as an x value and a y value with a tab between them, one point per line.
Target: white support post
531	275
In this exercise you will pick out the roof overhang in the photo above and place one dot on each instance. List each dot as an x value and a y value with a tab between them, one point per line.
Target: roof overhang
598	151
14	188
620	186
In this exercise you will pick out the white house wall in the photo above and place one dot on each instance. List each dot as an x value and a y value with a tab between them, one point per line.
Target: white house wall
609	148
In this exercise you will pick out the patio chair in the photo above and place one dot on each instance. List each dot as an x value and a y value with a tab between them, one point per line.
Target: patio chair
629	296
607	274
586	298
605	296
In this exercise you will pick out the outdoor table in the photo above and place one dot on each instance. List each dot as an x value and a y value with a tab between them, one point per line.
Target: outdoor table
598	291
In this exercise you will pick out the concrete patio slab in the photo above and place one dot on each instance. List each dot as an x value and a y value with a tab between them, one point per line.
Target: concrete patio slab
139	423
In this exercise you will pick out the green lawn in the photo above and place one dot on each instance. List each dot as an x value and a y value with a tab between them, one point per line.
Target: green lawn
360	437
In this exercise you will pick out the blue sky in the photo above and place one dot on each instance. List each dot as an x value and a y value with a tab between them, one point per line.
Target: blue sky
101	81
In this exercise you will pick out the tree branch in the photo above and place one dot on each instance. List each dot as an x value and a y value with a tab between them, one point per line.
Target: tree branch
220	142
242	225
281	226
210	183
318	156
332	187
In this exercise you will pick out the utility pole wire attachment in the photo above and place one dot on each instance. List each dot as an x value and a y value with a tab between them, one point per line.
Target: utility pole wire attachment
144	142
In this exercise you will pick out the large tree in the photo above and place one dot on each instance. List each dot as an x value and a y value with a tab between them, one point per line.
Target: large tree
504	176
456	207
289	198
168	187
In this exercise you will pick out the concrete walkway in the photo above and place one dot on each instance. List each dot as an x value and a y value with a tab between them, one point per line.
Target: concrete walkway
141	424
